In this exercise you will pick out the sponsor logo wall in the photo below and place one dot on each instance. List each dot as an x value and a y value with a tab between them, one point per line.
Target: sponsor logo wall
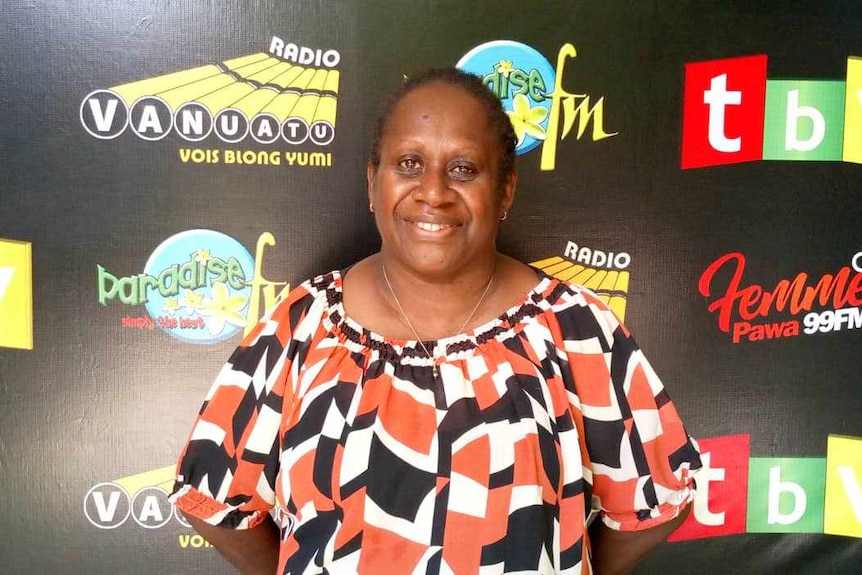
697	171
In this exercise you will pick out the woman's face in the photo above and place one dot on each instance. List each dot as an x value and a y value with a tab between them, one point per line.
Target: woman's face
437	194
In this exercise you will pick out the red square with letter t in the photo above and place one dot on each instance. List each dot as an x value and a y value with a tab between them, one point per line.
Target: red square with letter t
723	112
720	506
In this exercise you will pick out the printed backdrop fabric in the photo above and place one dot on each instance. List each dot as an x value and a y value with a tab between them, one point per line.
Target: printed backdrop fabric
171	170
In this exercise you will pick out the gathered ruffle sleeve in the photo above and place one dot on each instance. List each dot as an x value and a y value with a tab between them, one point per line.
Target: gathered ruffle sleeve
637	453
227	472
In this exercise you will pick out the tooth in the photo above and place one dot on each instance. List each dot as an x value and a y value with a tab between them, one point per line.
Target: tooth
430	227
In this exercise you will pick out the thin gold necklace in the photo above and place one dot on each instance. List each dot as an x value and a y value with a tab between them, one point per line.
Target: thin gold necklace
433	357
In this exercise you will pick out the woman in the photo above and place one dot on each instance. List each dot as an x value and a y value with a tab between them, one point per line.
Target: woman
439	407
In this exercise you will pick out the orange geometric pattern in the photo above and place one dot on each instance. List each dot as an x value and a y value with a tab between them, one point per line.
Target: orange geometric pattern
493	467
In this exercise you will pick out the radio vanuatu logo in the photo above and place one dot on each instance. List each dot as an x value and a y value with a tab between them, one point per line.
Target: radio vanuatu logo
287	95
604	273
531	90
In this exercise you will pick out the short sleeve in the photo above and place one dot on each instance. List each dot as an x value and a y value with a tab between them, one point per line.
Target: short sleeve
227	471
639	454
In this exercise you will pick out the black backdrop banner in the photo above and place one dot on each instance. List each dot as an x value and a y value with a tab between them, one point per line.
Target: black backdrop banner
171	169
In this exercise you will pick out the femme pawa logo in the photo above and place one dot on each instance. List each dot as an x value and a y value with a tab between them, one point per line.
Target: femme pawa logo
733	113
830	303
287	95
531	90
604	273
199	286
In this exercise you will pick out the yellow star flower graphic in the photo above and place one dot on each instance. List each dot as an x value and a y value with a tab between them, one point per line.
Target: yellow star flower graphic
202	256
192	301
526	119
171	306
223	308
504	68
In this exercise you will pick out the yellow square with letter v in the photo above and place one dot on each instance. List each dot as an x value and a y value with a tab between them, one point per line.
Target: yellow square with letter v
16	294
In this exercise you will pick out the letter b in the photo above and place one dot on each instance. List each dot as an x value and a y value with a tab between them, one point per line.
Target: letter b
786	495
776	488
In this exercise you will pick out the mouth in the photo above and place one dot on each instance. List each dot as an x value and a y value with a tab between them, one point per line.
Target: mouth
433	228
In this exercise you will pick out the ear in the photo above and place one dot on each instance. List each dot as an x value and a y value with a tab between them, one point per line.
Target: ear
370	172
507	198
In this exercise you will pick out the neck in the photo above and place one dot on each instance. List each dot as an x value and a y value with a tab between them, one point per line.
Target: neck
437	306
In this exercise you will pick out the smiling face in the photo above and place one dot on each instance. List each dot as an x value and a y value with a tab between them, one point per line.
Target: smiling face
437	191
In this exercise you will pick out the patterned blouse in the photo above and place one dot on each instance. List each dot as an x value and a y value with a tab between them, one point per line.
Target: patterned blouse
376	467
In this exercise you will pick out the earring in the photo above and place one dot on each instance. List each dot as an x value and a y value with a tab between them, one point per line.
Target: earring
505	215
371	207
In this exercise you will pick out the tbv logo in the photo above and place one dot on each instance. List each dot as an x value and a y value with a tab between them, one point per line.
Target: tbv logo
733	113
107	506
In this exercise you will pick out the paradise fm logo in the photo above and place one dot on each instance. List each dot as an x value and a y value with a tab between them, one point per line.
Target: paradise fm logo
199	286
740	306
288	95
532	93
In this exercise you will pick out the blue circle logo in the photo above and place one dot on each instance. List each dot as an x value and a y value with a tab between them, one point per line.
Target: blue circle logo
523	79
200	286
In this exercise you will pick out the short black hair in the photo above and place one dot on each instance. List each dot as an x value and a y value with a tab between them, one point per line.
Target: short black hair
498	120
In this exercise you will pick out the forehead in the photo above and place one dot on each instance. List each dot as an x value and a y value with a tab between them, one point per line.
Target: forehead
438	110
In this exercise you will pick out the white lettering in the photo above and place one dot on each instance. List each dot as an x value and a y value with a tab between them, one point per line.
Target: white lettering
854	493
776	487
794	112
571	250
829	320
857	262
103	120
306	56
622	260
276	46
599	259
331	58
193	122
149	120
717	97
303	55
264	131
106	512
151	510
233	128
5	279
701	499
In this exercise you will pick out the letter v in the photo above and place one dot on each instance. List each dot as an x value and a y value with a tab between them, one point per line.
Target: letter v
851	487
103	121
5	279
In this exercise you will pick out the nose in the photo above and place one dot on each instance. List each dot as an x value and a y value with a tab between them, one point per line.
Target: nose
433	188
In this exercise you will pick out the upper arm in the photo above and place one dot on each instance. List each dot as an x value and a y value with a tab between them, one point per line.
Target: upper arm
636	447
227	472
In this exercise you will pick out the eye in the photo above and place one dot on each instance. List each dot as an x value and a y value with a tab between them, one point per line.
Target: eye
463	171
410	165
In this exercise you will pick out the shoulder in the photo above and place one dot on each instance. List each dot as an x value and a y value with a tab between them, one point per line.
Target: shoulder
579	312
304	304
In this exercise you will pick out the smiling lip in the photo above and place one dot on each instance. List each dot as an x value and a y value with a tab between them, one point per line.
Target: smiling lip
430	227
